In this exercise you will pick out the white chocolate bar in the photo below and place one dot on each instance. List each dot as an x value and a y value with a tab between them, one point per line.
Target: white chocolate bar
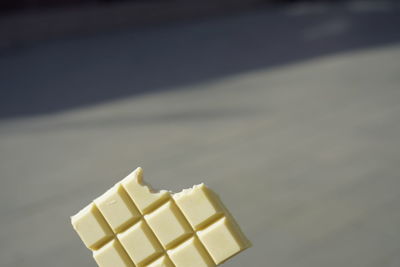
131	225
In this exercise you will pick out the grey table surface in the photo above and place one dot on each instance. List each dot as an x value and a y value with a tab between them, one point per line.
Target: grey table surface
297	130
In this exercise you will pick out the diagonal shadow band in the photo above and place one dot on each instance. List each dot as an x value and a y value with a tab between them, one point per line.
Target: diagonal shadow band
66	74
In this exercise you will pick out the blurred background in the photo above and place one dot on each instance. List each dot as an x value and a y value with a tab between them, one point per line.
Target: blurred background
290	110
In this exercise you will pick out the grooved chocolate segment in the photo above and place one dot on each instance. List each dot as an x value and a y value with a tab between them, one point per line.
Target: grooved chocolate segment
222	240
191	251
169	224
199	206
130	225
91	227
112	254
163	261
117	208
141	194
140	243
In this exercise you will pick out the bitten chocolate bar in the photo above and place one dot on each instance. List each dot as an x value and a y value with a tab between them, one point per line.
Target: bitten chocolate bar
132	225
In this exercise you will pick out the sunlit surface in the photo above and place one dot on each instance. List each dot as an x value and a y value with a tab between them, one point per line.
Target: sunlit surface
297	130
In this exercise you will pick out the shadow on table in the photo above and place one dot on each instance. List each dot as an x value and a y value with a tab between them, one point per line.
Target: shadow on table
65	74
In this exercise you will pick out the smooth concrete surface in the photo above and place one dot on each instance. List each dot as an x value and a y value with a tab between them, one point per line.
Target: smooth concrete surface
305	153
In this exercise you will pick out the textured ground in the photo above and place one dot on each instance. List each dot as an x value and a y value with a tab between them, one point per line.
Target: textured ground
292	115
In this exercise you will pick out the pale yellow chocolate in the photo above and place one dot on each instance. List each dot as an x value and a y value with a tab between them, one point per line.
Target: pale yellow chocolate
191	253
169	225
117	208
131	225
140	243
163	261
112	254
222	240
92	227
